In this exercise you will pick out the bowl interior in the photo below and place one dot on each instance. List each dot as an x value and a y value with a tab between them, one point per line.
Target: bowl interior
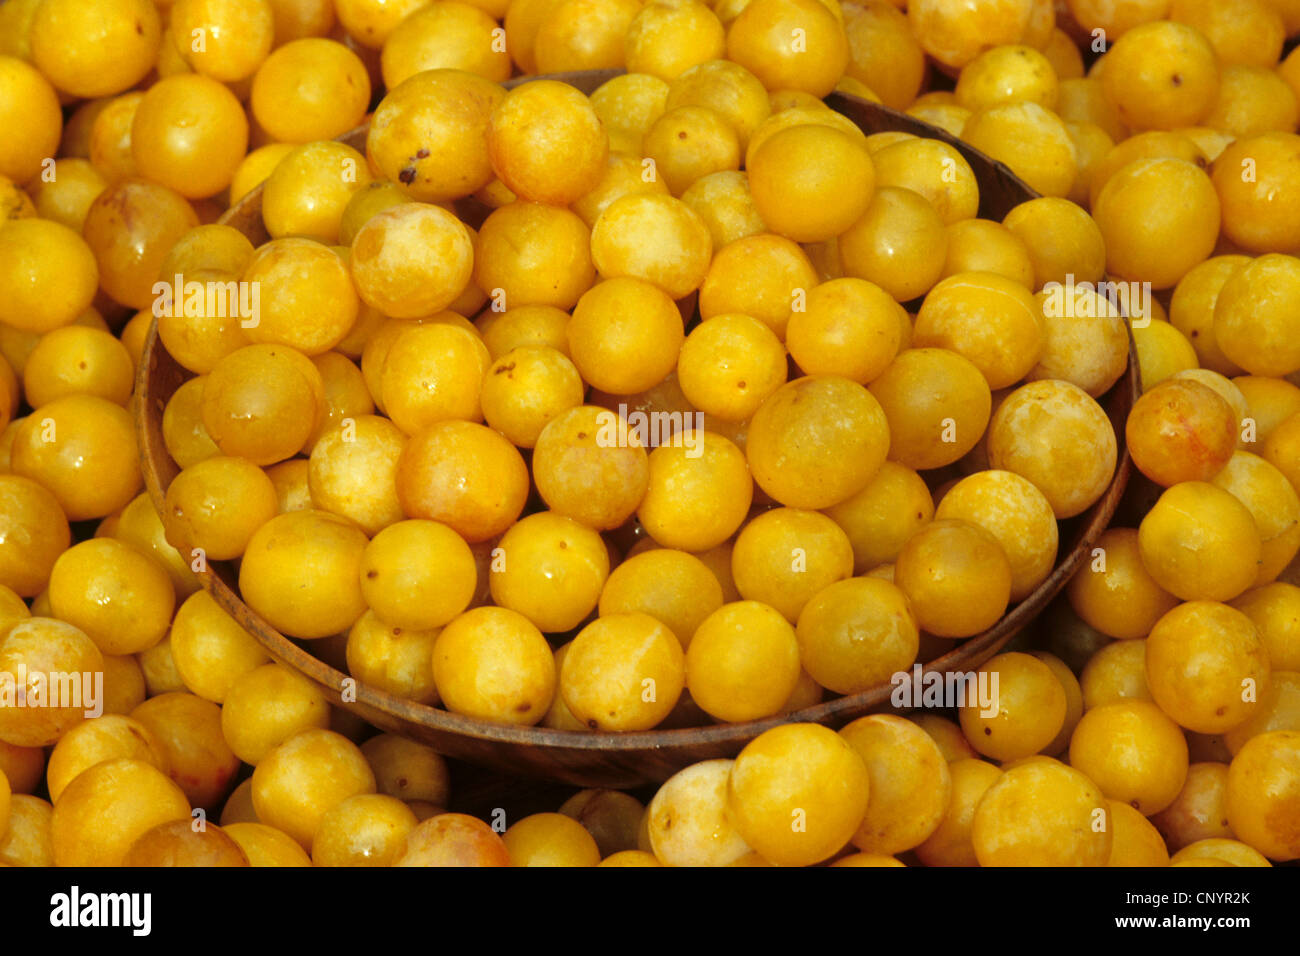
614	759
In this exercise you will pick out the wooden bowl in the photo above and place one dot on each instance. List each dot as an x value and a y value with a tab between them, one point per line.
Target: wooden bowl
620	759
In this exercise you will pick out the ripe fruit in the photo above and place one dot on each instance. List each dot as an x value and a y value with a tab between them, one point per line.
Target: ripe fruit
688	143
848	327
298	782
189	133
857	634
816	441
1055	435
530	254
1014	512
625	335
453	839
698	491
38	647
35	534
1117	595
653	237
956	577
775	40
551	569
785	556
687	823
455	36
1189	522
528	386
30	104
89	48
1007	74
954	33
1149	237
1199	811
403	285
105	809
934	169
811	182
1181	430
81	448
899	243
950	843
742	662
470	676
321	554
589	465
1255	180
224	39
1161	75
464	475
910	783
546	143
1262	793
261	403
1133	752
936	403
1014	708
1030	139
1251	325
762	276
1136	841
1206	666
428	134
120	598
623	672
826	789
1042	813
48	275
730	364
549	840
986	318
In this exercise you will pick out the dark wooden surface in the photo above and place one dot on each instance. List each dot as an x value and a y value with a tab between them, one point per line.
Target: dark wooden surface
631	759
